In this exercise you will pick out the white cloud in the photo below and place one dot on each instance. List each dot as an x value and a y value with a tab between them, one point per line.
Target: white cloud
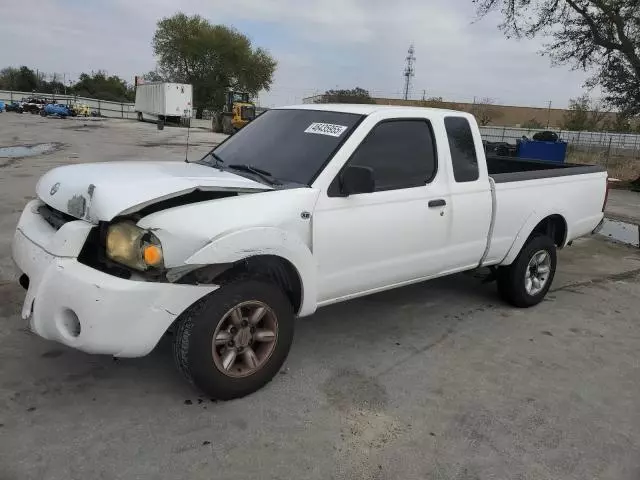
318	44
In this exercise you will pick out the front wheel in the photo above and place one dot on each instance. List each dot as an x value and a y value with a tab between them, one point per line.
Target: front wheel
527	280
234	341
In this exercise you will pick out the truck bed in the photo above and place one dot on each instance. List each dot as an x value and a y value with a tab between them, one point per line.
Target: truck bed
511	169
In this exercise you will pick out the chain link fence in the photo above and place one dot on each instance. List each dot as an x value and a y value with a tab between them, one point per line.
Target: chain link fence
102	107
618	152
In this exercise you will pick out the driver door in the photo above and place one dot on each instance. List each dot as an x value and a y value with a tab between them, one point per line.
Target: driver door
393	235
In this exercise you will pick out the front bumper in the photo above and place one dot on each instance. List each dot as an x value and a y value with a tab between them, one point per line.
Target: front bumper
87	309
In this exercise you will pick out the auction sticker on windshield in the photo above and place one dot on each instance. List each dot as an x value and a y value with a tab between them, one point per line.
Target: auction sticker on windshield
326	129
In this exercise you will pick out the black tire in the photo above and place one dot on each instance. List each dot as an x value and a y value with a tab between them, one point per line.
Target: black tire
511	279
192	347
216	124
227	125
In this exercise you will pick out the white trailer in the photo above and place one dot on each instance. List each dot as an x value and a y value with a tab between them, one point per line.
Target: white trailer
166	101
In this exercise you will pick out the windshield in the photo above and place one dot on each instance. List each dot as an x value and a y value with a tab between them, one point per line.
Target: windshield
291	145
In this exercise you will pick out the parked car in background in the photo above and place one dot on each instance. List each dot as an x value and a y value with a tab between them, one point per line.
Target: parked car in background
2	106
34	104
14	107
305	207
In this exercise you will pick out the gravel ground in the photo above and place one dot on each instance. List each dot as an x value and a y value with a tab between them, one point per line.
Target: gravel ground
434	381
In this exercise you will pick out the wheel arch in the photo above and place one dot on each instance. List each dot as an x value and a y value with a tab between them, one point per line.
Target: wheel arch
553	225
276	254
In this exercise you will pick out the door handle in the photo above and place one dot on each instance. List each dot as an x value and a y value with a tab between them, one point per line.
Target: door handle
437	203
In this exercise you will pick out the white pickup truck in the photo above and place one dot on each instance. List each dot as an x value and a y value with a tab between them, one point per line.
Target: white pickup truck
305	207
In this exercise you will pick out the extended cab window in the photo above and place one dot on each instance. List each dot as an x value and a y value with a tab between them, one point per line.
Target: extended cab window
400	152
463	149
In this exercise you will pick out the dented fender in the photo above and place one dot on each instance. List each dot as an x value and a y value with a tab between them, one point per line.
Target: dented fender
234	246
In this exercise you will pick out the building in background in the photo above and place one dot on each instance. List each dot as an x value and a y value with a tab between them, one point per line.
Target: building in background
488	113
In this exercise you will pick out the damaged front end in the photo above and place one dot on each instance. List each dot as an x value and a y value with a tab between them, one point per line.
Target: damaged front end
103	191
116	196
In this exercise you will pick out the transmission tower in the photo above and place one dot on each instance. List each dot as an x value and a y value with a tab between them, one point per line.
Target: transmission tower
409	71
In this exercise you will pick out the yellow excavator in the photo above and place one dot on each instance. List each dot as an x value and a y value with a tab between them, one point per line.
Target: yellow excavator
238	110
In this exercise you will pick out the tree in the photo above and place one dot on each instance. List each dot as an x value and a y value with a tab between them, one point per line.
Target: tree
485	111
153	76
589	34
213	58
583	114
100	85
21	79
621	124
354	95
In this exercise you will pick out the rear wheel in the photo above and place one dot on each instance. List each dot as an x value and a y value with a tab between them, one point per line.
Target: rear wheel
235	340
527	280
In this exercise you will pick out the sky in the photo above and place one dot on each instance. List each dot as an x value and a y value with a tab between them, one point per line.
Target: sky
319	45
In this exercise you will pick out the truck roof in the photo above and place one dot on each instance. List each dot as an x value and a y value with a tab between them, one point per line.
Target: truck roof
363	109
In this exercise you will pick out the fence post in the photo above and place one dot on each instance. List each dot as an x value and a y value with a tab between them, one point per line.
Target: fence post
606	160
503	132
122	110
99	110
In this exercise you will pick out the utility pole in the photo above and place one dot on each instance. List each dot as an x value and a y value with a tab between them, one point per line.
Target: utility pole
409	71
549	114
424	95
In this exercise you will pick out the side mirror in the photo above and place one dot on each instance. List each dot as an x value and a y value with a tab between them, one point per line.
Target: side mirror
355	179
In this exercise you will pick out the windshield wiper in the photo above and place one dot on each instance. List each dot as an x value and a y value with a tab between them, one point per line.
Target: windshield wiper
217	158
263	174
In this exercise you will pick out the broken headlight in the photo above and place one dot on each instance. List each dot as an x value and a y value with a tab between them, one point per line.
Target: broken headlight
133	246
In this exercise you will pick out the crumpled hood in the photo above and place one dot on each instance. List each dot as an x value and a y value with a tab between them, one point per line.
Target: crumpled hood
102	191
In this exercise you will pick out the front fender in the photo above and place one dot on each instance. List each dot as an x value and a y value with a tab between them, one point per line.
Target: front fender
234	246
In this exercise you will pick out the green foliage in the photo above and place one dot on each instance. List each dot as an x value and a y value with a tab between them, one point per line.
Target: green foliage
213	58
22	79
99	85
354	95
153	76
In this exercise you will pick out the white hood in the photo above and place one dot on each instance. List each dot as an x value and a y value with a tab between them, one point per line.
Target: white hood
101	191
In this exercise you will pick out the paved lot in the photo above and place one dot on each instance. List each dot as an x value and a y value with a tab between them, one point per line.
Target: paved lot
437	381
624	205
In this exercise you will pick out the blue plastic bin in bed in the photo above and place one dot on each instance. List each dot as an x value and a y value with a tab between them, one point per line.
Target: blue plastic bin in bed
548	151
